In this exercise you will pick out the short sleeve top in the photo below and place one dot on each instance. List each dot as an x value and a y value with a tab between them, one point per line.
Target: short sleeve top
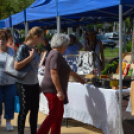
4	78
55	61
22	53
72	50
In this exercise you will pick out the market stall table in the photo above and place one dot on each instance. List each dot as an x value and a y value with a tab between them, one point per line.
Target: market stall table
95	106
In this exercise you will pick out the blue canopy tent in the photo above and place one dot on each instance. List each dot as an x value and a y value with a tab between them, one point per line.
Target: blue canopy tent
31	13
44	10
69	7
50	9
2	24
65	22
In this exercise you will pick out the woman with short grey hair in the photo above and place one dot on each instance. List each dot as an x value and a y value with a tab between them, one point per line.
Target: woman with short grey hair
54	84
59	40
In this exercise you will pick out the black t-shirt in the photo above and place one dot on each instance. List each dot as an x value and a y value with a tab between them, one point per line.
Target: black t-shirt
48	48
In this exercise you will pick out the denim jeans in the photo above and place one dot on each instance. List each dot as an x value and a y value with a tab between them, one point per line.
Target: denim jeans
7	93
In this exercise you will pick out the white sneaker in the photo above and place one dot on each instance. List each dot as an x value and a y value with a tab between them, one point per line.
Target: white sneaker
9	127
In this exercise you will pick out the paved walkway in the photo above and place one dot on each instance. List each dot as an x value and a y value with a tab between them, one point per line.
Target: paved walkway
74	127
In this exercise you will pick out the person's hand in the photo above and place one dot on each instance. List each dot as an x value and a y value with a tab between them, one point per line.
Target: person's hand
32	53
61	95
82	81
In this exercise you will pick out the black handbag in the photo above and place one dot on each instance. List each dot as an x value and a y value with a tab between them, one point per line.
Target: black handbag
10	70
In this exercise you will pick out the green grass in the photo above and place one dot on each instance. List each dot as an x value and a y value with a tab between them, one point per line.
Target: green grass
115	52
129	46
111	53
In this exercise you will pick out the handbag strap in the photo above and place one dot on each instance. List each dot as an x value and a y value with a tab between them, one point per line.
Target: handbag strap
45	58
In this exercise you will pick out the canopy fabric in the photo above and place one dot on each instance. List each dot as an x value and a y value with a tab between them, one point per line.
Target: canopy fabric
46	11
2	24
40	9
74	9
40	3
18	18
66	22
68	7
8	22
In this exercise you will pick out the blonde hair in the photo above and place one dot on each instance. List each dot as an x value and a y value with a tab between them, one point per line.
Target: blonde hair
35	31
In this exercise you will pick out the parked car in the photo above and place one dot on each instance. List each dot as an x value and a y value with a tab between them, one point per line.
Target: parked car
115	36
106	42
129	37
112	35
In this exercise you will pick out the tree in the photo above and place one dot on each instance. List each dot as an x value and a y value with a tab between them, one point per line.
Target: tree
5	8
9	7
128	24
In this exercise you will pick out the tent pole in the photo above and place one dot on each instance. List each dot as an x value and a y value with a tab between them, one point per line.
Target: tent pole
125	36
70	30
10	25
12	32
120	67
95	27
78	33
26	28
114	27
58	25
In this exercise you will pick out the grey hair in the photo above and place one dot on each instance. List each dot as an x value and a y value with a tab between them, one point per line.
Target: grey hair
58	40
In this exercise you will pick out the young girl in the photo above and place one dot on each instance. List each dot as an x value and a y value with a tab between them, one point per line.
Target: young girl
28	87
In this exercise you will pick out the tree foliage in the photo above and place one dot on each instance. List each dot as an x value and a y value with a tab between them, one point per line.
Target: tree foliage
128	24
9	7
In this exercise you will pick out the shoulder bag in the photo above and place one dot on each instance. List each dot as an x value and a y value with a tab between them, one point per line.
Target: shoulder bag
11	71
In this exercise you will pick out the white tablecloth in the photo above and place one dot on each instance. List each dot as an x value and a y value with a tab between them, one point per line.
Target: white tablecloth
95	106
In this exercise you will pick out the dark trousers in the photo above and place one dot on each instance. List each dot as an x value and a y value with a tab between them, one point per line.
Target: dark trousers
7	93
29	100
54	119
